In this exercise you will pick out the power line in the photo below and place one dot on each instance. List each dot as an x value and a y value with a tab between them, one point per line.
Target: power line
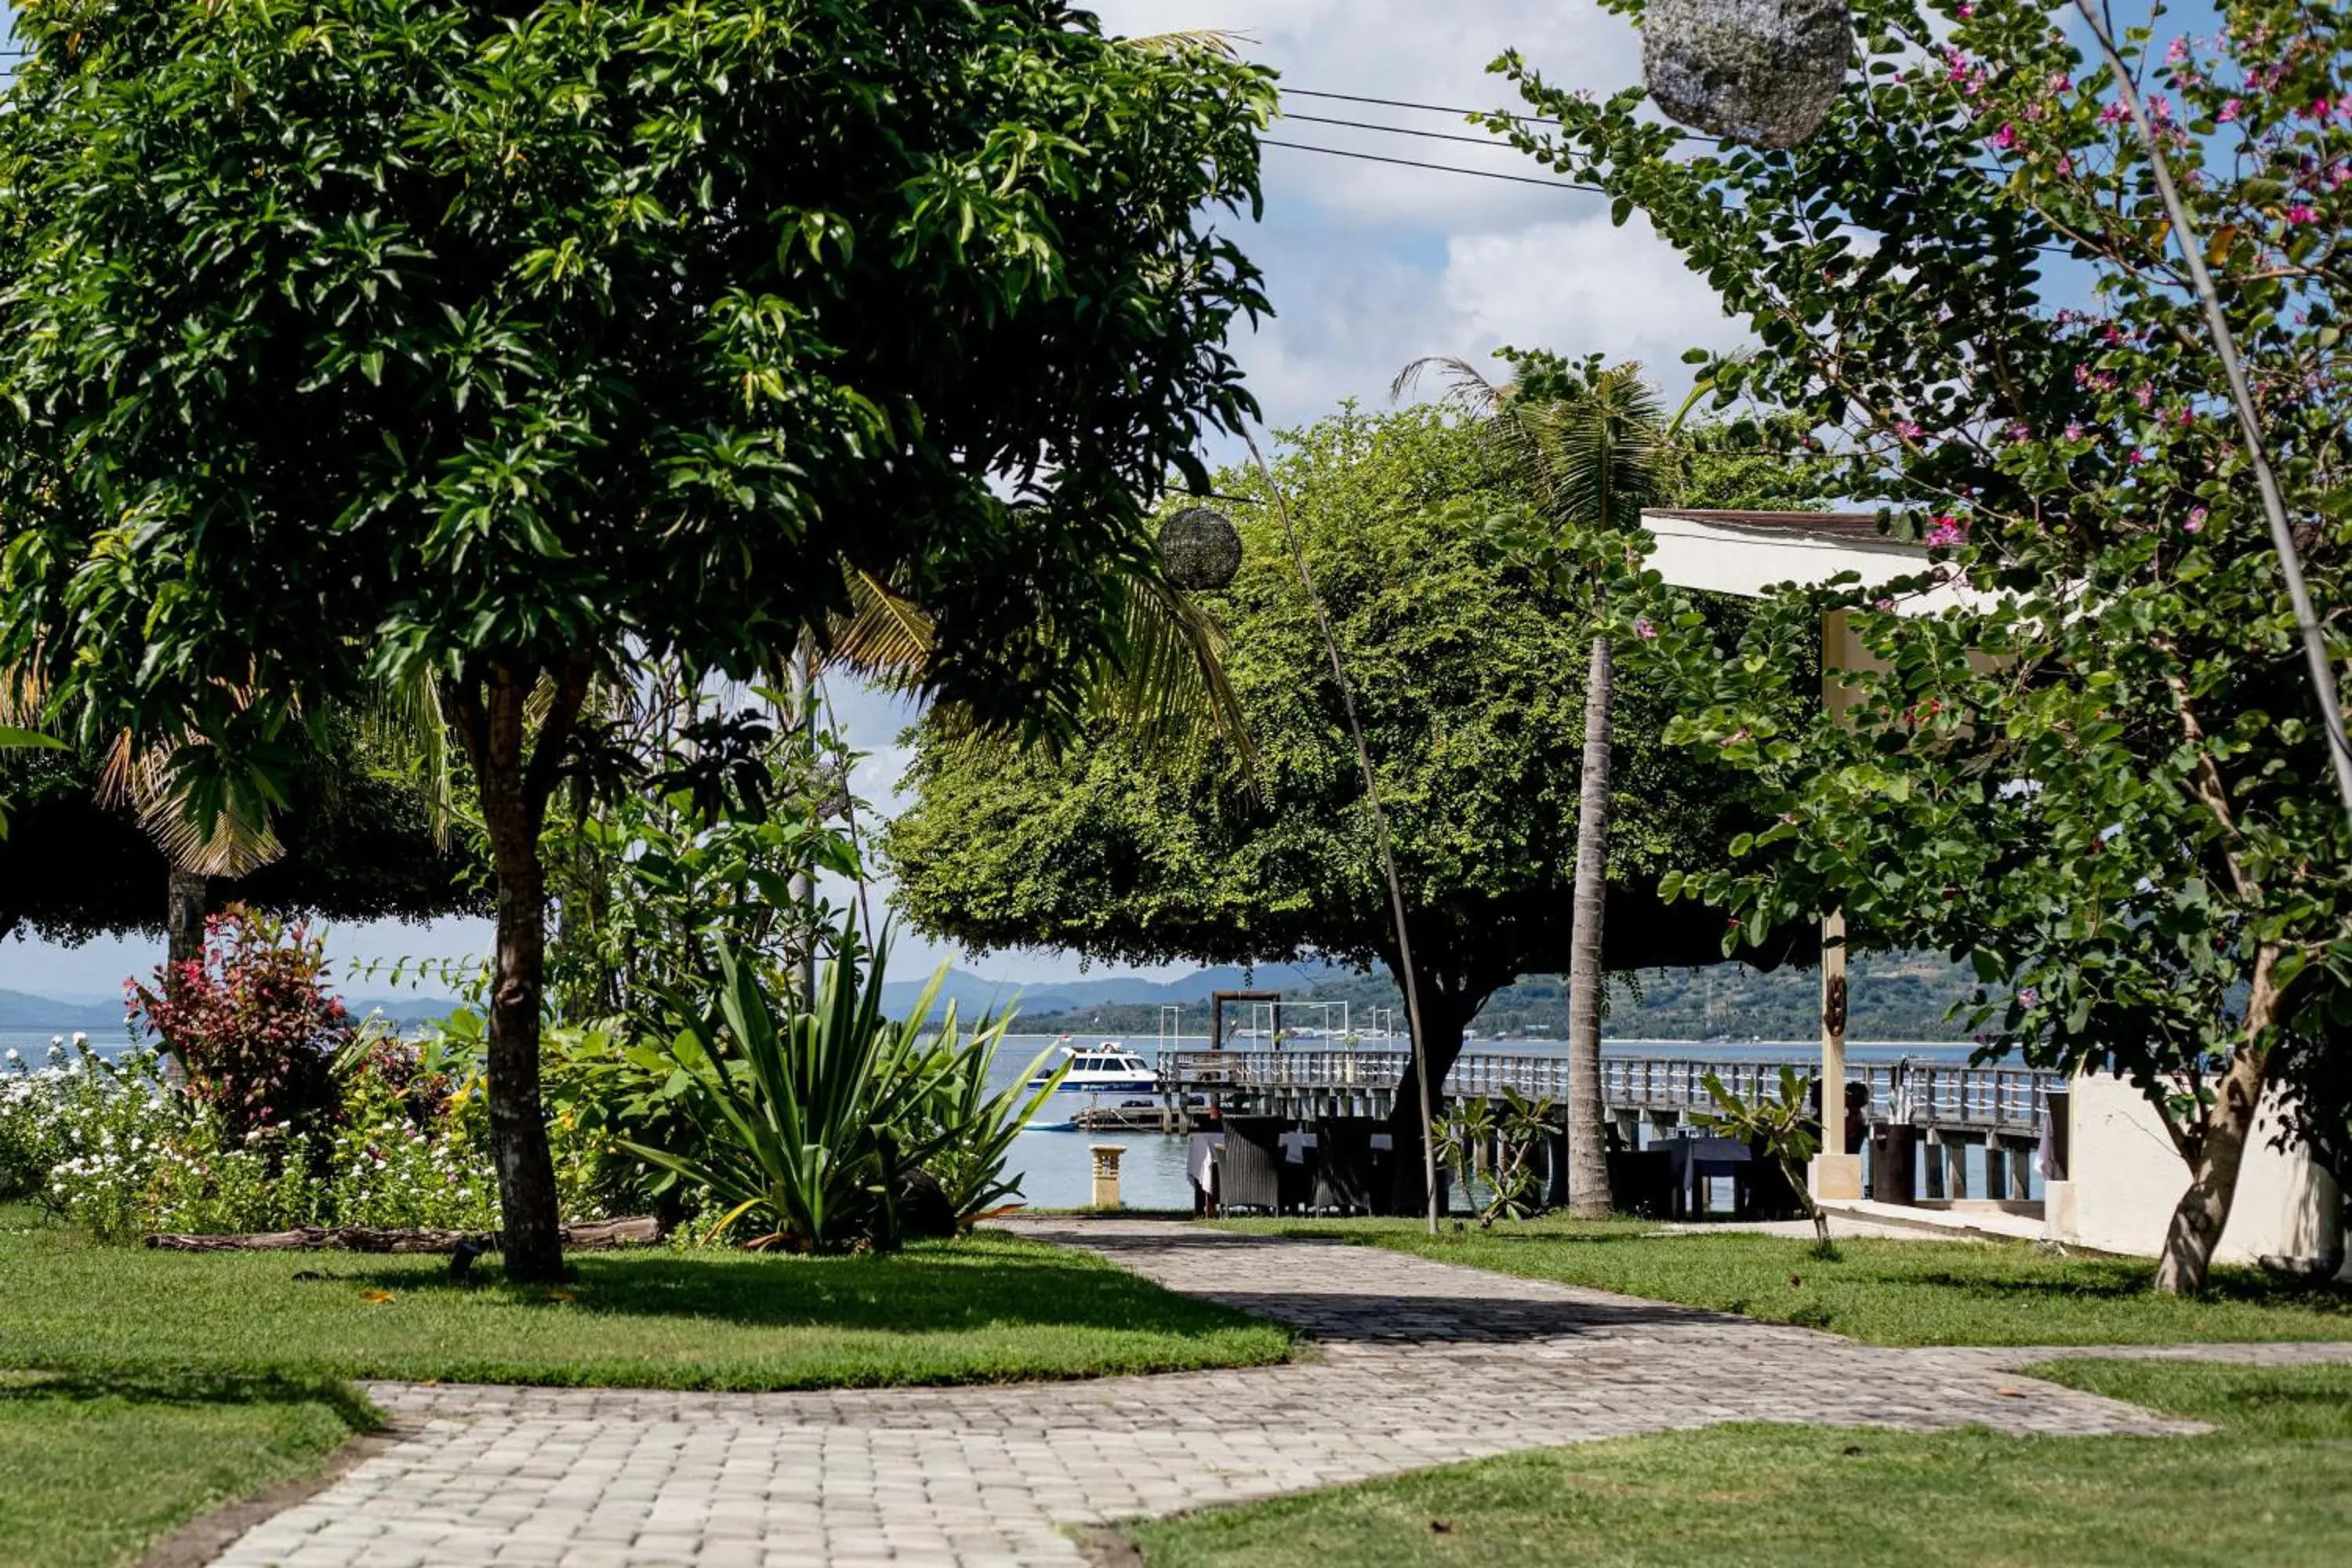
1400	131
1401	103
1441	168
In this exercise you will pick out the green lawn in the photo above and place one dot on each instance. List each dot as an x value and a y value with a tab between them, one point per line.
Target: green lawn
988	1308
94	1469
2269	1488
1884	1292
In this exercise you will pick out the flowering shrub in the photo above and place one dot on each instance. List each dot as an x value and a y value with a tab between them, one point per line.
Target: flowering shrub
114	1148
251	1022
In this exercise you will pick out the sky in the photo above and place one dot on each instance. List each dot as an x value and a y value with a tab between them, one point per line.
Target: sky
1367	267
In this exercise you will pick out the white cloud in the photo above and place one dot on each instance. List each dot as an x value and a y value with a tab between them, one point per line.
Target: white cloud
1585	288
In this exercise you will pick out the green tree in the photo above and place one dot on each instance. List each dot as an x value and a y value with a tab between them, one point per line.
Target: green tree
357	833
2103	781
1467	665
1590	447
345	340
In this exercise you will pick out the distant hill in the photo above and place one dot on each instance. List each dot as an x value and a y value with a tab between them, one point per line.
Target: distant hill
1896	996
971	991
22	1010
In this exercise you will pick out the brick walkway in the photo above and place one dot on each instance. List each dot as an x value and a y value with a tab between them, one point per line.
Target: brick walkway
1418	1362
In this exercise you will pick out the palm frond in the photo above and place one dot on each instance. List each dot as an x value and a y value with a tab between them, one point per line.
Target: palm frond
239	839
884	634
1612	451
1466	387
1168	680
1221	42
406	721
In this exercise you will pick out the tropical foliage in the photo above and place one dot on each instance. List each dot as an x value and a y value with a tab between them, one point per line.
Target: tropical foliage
1786	1129
2104	779
1467	658
251	1022
420	343
820	1125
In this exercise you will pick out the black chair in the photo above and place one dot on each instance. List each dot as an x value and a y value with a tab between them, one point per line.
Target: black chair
1343	1173
1249	1165
1642	1182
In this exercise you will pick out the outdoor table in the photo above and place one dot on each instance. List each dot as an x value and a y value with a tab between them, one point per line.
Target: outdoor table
1704	1159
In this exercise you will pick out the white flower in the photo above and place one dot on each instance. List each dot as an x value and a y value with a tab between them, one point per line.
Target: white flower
14	1056
81	1038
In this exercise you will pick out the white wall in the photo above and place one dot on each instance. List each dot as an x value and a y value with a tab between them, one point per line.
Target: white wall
2126	1177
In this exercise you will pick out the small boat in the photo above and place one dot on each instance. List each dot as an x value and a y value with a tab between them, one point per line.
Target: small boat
1107	1068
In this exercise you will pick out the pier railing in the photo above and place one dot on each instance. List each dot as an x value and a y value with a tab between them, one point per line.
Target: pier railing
2008	1100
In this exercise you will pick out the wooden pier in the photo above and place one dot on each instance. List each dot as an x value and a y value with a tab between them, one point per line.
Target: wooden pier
1952	1108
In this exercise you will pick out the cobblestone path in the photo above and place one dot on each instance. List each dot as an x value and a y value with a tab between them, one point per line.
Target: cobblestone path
1416	1363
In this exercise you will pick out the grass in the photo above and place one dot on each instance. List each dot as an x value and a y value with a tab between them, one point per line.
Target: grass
986	1308
2268	1489
1881	1292
97	1469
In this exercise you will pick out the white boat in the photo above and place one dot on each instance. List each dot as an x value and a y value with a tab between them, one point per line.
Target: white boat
1108	1068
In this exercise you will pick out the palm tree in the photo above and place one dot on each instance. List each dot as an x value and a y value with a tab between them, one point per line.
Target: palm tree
1592	451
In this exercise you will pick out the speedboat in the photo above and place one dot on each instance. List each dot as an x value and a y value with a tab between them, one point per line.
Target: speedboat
1107	1068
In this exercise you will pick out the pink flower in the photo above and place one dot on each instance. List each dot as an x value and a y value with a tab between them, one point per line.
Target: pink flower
2061	82
1644	629
2004	139
2065	164
1908	429
1946	531
2229	111
2176	52
1966	10
2075	432
2301	212
1885	603
2113	112
2028	997
2197	516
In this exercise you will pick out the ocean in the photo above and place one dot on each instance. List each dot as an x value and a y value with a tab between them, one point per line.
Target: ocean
1056	1170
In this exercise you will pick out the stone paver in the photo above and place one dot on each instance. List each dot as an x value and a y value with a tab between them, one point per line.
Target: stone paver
1417	1364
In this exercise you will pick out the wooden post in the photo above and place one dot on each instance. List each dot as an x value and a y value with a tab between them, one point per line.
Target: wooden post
1836	1170
1834	1034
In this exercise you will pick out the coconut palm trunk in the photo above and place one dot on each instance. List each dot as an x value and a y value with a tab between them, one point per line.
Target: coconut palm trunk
1588	1156
1590	455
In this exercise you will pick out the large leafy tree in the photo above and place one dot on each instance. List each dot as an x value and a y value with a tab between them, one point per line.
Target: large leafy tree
2106	781
358	838
349	341
1467	662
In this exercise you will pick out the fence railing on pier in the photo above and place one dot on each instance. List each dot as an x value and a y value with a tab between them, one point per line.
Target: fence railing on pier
2008	1100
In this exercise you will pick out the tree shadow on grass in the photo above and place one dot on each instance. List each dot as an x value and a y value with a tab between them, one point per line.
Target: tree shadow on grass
188	1389
933	1289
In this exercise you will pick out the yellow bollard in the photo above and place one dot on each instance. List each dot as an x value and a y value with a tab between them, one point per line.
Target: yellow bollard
1106	1173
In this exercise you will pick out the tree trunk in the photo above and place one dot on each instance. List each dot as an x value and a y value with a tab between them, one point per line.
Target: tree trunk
1588	1150
2220	1151
184	921
512	813
1443	1019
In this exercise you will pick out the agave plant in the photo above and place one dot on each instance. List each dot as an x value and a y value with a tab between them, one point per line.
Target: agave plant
807	1123
980	1125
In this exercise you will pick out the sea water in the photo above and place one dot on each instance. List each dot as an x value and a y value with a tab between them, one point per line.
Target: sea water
1055	1171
